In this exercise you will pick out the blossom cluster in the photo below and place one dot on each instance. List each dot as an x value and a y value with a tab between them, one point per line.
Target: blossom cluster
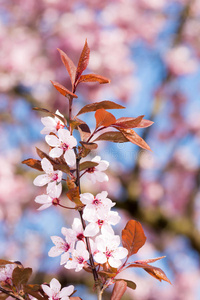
97	214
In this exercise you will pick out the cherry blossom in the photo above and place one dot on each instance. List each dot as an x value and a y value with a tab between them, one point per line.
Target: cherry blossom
102	219
94	203
62	248
54	291
79	257
96	173
6	272
52	124
50	175
62	144
109	250
52	196
76	232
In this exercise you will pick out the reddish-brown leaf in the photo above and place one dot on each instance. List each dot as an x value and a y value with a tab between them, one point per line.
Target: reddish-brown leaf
133	237
134	138
118	290
90	146
69	65
104	118
112	136
93	78
126	122
84	131
21	276
87	164
148	261
4	262
145	123
73	195
33	163
153	271
34	290
97	105
65	92
83	61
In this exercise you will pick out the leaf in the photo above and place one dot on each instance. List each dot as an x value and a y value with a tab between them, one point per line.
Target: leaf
21	276
33	163
104	118
126	122
148	261
34	290
65	92
83	61
133	237
69	65
112	136
130	284
97	105
118	290
51	114
87	165
153	271
134	138
84	131
90	146
58	164
93	78
145	123
4	262
73	195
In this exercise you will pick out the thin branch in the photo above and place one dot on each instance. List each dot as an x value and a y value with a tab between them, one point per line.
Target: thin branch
10	294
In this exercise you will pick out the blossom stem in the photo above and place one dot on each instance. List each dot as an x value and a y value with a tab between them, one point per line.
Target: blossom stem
70	113
65	206
10	294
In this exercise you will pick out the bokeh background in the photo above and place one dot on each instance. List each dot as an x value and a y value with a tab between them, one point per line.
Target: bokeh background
150	50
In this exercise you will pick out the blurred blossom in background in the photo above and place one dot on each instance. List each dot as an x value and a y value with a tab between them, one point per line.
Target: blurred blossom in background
150	50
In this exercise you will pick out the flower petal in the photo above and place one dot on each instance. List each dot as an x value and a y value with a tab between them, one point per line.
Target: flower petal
56	152
41	180
70	157
52	140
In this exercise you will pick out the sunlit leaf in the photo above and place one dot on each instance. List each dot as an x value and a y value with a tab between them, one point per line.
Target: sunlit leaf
84	131
97	105
118	290
90	146
21	276
130	283
133	237
126	122
148	261
69	65
112	136
93	78
83	61
35	291
134	138
4	262
87	164
33	163
145	123
104	118
73	195
63	90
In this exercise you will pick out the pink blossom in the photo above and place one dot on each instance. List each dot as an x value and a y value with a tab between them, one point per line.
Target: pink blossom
79	257
62	144
76	232
102	219
62	248
51	198
6	272
50	175
54	291
52	124
96	173
109	250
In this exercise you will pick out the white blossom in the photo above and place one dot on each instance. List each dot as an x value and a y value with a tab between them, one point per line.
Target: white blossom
62	247
52	124
54	291
96	173
79	257
51	198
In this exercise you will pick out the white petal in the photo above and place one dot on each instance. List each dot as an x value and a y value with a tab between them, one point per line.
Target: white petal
100	176
70	157
56	152
48	121
114	263
63	134
67	291
44	206
52	140
56	192
97	159
86	198
103	165
41	180
55	285
47	290
64	258
43	199
46	165
106	229
72	142
70	264
54	251
91	229
100	258
57	240
121	253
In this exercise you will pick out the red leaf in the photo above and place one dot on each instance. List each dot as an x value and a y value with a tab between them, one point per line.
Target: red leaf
87	165
69	65
21	276
134	138
112	136
83	61
93	78
33	163
90	146
97	105
126	122
148	261
133	237
145	123
104	118
118	290
65	92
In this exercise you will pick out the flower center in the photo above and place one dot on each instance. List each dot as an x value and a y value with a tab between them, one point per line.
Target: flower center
59	125
80	236
96	201
66	247
108	253
100	222
55	201
80	259
54	177
64	146
91	170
